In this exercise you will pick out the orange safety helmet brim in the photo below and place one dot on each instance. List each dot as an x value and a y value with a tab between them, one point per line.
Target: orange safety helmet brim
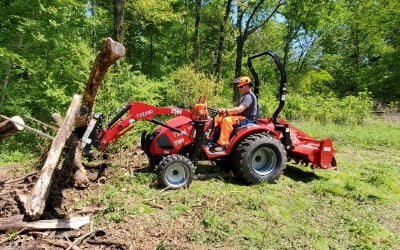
242	81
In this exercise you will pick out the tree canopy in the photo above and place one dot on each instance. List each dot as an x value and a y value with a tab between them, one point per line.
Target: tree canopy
328	47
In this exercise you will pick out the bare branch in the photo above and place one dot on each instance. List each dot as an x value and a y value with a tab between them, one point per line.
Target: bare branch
252	15
255	28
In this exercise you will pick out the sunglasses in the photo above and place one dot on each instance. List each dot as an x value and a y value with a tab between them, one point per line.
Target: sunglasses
241	86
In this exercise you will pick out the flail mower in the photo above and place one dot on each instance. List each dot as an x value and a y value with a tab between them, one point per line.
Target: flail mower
256	152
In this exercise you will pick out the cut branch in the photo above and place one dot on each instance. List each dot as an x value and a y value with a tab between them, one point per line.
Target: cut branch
22	124
22	178
36	203
10	126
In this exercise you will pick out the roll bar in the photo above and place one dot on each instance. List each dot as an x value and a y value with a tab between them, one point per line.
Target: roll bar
282	87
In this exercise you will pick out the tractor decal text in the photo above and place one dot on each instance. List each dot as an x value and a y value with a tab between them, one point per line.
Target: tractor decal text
176	111
145	113
176	134
179	141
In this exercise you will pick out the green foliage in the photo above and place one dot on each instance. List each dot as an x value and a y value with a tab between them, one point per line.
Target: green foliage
163	246
21	147
123	86
45	52
186	86
328	109
315	82
355	34
374	132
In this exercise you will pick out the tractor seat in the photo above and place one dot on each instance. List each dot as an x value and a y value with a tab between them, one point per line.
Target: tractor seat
243	124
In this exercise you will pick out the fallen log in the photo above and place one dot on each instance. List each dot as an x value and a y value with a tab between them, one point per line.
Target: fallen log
16	223
36	202
10	126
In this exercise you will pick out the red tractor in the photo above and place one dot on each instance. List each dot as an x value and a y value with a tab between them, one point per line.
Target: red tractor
256	152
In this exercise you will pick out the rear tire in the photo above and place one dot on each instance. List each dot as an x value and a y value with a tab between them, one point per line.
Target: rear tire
175	171
259	158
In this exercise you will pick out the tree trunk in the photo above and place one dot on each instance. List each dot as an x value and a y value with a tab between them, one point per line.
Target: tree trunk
108	55
94	33
119	8
37	201
151	57
196	38
239	51
218	65
238	66
5	82
288	43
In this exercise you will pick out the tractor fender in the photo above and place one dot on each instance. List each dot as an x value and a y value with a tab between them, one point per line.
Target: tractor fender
249	130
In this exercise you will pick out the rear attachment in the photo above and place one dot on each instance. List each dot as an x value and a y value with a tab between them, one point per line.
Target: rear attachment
309	151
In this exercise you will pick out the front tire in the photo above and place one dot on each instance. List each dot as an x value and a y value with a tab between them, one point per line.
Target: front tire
175	171
259	158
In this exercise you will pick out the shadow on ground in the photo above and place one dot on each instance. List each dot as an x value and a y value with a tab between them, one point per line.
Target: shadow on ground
300	175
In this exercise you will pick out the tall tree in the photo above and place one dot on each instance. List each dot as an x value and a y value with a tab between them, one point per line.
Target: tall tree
251	15
221	41
301	19
155	36
119	9
196	36
92	10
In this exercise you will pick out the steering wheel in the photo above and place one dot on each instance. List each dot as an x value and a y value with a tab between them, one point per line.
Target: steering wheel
213	112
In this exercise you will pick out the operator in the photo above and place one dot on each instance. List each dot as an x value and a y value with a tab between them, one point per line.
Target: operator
244	113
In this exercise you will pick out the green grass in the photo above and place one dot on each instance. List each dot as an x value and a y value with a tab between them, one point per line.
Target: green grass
357	206
354	207
20	148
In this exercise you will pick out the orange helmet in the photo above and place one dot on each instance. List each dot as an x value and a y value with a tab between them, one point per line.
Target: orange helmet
241	81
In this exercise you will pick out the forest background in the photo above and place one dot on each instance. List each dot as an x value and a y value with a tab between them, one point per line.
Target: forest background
341	57
342	62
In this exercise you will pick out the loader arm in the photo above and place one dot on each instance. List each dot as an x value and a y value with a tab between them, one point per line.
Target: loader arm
123	122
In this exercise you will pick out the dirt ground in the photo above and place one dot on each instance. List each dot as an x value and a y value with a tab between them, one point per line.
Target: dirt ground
141	234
